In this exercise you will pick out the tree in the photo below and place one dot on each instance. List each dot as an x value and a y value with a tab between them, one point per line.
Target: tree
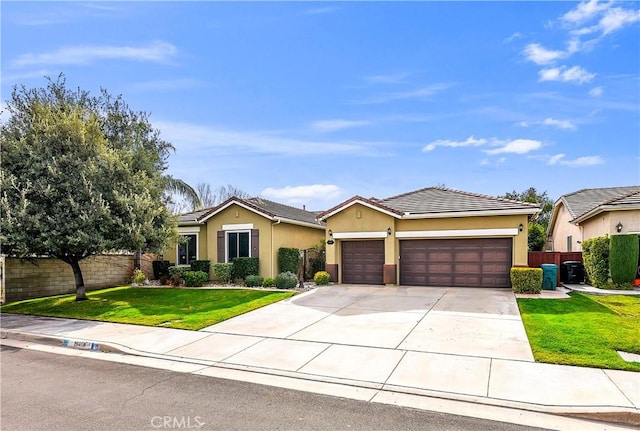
81	175
537	237
211	197
531	195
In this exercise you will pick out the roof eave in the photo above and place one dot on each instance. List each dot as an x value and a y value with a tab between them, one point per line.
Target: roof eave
604	208
238	202
362	202
485	213
299	223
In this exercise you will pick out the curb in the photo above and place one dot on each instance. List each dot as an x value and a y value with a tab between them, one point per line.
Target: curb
619	415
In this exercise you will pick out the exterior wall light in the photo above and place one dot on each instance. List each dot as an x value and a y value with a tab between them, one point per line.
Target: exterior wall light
521	227
388	231
619	227
330	232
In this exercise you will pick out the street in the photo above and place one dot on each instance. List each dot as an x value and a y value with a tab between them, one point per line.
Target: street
43	391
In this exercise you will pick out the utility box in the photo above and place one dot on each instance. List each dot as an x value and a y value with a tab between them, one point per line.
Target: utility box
549	276
572	272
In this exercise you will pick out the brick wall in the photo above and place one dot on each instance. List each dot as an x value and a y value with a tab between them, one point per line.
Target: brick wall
48	276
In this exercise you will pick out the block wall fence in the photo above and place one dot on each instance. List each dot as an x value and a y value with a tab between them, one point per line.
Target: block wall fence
24	279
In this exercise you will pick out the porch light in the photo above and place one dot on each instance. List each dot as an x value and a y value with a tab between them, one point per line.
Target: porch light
389	231
619	227
330	232
521	227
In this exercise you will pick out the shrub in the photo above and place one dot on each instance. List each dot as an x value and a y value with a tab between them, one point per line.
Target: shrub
286	280
526	280
623	258
537	237
322	278
138	276
176	274
268	282
595	257
253	281
160	268
195	278
288	259
243	266
222	272
201	265
163	280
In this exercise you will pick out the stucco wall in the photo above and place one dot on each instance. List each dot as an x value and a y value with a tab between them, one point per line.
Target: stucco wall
605	223
290	235
48	276
562	229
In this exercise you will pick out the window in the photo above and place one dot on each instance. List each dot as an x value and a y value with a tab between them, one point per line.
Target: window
238	245
569	241
188	250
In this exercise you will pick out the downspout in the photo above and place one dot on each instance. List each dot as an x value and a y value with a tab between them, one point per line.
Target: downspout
279	220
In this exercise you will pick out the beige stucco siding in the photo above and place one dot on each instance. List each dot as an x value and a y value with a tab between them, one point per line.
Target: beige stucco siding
563	229
290	235
171	252
235	214
605	223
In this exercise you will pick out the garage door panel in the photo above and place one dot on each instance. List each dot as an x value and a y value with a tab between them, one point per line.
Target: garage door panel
362	262
478	262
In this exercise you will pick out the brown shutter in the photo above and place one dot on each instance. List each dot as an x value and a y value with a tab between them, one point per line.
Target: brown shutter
255	243
221	257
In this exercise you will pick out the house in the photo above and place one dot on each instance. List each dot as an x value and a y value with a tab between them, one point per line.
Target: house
590	213
254	227
430	237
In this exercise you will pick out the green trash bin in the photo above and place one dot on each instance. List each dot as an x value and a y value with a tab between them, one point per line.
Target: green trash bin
549	276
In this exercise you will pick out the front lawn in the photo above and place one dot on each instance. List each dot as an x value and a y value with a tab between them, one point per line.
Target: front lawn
167	307
583	330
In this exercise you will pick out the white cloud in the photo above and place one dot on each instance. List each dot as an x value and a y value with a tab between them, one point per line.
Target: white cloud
487	162
573	74
24	76
335	125
616	18
514	36
584	12
188	137
560	124
156	52
302	194
596	92
418	93
559	159
540	55
386	79
469	142
517	146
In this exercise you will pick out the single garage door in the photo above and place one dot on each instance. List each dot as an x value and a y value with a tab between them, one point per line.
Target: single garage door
362	262
482	262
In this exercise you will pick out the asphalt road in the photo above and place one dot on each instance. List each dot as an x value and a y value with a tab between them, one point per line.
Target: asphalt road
43	391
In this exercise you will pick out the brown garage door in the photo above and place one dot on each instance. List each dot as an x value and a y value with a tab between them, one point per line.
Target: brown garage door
362	262
483	262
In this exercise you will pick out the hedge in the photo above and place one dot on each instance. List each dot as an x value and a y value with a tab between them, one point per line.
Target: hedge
288	259
201	265
322	278
195	278
526	280
244	266
286	280
595	258
253	281
176	274
623	258
222	272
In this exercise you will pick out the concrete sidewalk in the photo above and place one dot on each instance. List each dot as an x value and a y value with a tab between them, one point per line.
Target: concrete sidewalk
373	360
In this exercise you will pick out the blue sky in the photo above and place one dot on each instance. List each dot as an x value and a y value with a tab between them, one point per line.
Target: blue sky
314	102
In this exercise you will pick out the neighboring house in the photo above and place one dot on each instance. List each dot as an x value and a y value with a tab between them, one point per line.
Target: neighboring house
238	227
429	237
590	213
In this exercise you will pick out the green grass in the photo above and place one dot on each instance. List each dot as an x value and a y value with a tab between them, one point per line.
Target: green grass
583	330
167	307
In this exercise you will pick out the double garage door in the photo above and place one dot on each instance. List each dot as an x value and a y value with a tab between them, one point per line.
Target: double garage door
482	262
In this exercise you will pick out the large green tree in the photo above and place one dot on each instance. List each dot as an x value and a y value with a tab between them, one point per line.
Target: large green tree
81	175
538	226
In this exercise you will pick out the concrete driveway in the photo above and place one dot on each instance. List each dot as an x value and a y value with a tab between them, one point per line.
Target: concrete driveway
476	322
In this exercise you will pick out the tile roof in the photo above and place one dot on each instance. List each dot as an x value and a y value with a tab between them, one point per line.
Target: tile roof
265	206
585	200
433	200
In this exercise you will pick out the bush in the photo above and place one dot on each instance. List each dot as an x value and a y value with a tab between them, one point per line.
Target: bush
195	278
288	259
623	258
160	268
537	237
526	280
176	274
322	278
268	282
286	280
243	266
201	265
222	272
253	281
138	277
595	257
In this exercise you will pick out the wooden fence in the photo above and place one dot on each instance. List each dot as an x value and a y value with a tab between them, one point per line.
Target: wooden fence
537	258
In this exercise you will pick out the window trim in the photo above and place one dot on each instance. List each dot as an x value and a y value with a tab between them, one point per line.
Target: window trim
197	235
226	242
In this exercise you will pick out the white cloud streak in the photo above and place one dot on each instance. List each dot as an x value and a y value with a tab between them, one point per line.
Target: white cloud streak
517	146
325	126
596	92
469	142
559	159
84	54
538	54
575	74
302	194
418	93
551	122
